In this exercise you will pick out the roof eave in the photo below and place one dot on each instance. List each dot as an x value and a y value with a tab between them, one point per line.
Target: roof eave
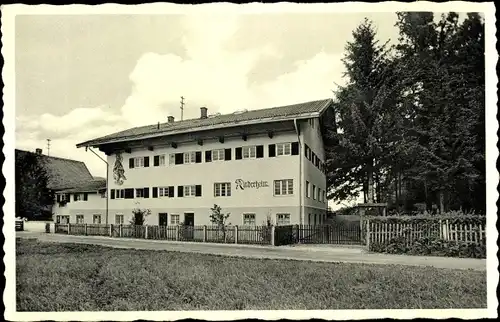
93	143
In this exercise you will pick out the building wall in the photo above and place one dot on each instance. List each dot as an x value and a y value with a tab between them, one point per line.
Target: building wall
310	131
95	204
258	200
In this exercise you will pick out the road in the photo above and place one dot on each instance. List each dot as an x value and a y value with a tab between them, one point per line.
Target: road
303	252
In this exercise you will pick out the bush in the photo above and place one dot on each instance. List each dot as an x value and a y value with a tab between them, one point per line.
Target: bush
431	246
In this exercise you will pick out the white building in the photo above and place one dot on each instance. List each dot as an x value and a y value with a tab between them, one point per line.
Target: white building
254	165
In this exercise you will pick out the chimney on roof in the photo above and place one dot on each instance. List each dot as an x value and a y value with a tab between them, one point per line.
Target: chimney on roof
203	112
170	119
38	151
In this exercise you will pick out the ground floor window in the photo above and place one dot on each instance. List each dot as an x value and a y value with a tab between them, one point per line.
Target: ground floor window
119	219
58	219
64	219
79	219
248	219
283	219
174	219
97	219
315	217
309	219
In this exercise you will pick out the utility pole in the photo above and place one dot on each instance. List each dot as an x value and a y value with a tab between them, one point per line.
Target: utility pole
48	147
182	108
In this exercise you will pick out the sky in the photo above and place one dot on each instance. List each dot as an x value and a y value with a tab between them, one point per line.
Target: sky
79	77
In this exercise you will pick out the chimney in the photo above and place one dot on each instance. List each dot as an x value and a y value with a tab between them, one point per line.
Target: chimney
203	112
170	119
38	151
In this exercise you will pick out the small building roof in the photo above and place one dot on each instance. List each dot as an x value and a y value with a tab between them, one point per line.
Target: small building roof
62	173
274	114
90	186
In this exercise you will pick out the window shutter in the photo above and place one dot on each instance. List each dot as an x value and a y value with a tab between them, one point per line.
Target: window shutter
74	197
155	192
272	150
112	193
146	162
156	160
171	191
198	191
129	193
198	157
238	153
131	163
227	154
179	158
85	196
58	198
146	192
208	156
180	191
295	148
68	197
259	151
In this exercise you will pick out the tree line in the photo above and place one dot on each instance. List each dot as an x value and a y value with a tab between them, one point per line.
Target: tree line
408	127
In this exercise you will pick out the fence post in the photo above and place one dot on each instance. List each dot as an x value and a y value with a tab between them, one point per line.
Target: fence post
68	227
204	233
86	230
236	234
272	235
120	232
146	233
177	232
110	230
368	237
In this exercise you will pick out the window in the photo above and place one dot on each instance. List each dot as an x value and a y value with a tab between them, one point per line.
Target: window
189	191
309	220
283	187
249	152
138	162
319	194
284	149
64	219
189	157
58	219
222	189
97	219
174	219
218	155
283	219
139	192
79	219
77	197
163	192
120	194
314	192
308	192
159	160
119	219
249	219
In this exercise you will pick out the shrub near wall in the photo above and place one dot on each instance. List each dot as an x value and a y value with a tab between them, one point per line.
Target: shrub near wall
447	235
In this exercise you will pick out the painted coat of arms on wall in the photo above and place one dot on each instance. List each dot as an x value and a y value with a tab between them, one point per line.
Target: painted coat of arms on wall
118	170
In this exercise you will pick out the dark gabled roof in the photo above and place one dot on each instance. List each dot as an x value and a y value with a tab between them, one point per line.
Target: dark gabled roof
90	186
274	114
62	173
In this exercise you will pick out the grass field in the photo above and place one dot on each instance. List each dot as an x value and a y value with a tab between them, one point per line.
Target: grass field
74	277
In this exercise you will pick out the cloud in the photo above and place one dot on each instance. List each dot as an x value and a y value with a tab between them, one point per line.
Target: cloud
211	74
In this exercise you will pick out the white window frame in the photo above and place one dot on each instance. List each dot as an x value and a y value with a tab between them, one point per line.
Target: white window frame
119	222
189	190
80	216
139	162
120	194
283	149
282	219
94	216
218	155
137	194
249	219
175	219
249	152
162	192
308	189
222	189
283	187
189	157
162	160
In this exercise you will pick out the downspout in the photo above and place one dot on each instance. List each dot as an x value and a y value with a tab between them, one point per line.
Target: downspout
107	180
300	171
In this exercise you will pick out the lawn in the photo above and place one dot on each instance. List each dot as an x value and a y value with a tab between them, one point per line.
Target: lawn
75	277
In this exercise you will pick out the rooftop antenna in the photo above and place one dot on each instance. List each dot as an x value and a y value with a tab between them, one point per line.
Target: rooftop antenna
48	147
182	108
